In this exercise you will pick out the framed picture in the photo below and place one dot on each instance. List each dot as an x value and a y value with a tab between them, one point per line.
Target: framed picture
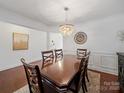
20	41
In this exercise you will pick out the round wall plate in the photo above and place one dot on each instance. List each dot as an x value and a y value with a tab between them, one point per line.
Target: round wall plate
80	38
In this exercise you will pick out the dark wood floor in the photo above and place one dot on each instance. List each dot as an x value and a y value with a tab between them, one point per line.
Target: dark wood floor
108	83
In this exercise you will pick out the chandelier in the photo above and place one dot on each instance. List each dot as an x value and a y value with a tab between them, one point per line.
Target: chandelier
66	29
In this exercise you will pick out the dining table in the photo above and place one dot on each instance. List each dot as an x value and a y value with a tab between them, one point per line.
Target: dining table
61	71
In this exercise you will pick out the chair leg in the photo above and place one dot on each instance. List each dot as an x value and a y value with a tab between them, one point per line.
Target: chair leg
83	88
84	83
87	76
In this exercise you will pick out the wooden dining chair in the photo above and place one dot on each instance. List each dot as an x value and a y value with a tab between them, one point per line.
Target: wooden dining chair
58	53
86	72
85	75
84	64
81	53
47	57
79	77
36	82
76	82
33	77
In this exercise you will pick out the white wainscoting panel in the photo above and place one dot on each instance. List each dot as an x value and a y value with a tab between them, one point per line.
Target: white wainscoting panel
109	62
101	61
105	62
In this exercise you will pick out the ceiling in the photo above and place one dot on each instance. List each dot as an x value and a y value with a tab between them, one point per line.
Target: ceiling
51	12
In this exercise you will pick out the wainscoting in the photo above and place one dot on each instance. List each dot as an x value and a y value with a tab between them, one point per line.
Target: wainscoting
102	61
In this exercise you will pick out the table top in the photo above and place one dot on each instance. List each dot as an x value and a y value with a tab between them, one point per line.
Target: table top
62	71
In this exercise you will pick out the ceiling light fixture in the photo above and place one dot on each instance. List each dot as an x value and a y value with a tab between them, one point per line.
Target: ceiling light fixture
66	29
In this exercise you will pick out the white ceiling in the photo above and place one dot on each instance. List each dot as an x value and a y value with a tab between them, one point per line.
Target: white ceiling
51	12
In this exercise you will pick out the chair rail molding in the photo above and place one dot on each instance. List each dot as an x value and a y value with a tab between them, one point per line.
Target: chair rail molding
101	61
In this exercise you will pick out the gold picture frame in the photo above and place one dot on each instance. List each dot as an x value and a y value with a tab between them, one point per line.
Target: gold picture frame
20	41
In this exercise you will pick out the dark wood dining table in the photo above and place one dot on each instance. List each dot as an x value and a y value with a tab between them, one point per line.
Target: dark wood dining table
61	71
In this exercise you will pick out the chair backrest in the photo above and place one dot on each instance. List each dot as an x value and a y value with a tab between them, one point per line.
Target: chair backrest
80	74
84	61
58	53
47	57
81	53
87	60
33	77
88	54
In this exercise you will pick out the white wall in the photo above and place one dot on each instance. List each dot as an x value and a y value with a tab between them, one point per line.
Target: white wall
10	58
57	39
102	41
102	35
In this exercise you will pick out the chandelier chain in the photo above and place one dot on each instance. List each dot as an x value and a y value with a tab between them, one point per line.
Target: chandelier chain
66	28
66	14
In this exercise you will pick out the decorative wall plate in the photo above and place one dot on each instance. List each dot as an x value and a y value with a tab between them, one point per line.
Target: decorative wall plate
80	38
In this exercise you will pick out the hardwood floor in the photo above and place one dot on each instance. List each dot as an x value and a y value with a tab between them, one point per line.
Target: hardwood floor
108	83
